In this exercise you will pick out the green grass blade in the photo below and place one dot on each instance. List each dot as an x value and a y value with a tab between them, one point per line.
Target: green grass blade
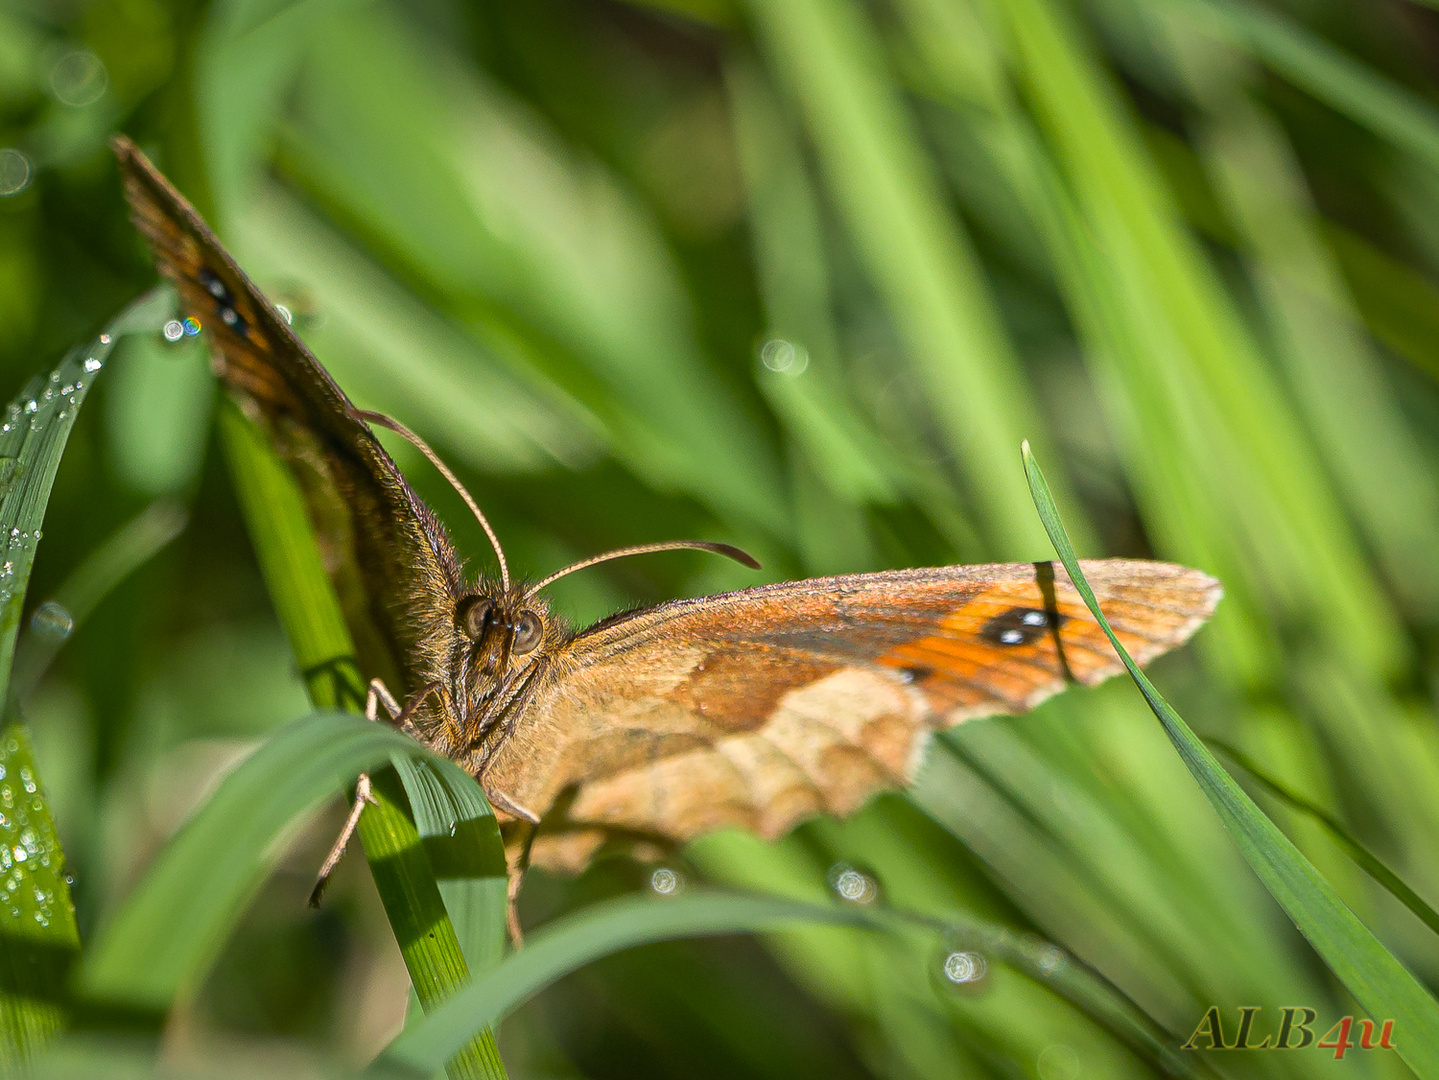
462	839
568	944
1366	859
161	942
33	434
1379	982
305	601
914	250
1343	83
39	939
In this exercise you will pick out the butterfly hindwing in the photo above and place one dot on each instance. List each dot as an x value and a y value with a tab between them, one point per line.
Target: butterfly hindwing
762	707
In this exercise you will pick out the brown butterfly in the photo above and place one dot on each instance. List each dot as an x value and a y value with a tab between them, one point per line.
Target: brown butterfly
755	708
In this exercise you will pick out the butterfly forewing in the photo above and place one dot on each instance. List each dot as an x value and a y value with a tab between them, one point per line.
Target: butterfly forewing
762	707
393	566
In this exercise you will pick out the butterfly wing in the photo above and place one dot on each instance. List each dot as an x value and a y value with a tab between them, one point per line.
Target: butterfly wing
394	568
762	707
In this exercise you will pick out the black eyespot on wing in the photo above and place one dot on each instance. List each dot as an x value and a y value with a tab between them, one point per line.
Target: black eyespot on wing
215	286
231	318
1019	626
916	673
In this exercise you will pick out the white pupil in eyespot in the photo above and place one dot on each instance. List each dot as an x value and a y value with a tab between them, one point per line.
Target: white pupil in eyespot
1012	637
1034	618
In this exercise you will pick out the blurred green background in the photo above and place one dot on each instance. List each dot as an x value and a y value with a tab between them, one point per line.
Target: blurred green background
798	275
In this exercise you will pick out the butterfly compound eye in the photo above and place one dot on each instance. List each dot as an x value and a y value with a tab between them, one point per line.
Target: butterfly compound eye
475	617
527	633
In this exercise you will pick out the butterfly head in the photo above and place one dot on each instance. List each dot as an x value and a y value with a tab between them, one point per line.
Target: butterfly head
503	631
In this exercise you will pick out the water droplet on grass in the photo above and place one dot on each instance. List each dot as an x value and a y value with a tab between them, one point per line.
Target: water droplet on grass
52	621
965	967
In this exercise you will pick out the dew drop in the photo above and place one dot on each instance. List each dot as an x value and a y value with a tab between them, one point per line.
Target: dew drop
852	885
666	882
92	364
15	171
52	621
965	967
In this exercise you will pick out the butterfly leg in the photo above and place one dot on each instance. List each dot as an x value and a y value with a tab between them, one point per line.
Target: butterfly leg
517	857
379	694
362	796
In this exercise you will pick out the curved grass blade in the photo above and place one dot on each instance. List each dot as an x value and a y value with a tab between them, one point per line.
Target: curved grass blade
462	840
39	939
1370	863
570	943
1378	981
162	941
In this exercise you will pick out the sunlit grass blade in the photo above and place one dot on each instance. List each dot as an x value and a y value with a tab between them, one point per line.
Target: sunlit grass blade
161	942
39	939
305	600
1379	982
462	840
917	254
33	434
568	944
1366	859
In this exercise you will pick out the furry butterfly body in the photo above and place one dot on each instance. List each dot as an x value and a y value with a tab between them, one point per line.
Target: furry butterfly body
755	708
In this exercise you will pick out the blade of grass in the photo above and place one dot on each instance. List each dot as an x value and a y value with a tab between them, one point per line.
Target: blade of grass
1378	981
39	939
466	852
305	600
161	942
570	943
1315	66
916	253
1366	859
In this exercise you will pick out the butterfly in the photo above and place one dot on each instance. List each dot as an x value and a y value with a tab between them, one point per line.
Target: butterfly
757	708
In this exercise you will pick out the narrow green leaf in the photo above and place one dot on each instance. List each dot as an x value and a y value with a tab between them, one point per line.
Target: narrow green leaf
570	943
462	839
161	942
305	600
39	940
1345	84
1367	860
1379	982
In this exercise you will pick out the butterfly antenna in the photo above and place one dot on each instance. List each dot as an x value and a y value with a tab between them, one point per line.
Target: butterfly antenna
645	549
434	459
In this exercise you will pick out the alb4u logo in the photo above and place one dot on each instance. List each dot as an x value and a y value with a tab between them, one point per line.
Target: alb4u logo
1296	1031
